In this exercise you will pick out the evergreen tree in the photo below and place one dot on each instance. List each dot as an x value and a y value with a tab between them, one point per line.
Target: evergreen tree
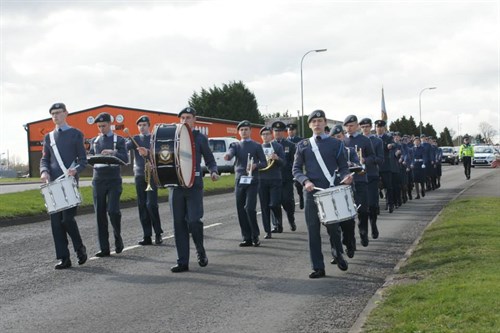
233	102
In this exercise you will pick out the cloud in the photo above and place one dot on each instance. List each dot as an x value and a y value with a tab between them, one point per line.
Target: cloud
154	55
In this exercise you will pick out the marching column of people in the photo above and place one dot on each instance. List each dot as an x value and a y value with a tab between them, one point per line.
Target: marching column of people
349	155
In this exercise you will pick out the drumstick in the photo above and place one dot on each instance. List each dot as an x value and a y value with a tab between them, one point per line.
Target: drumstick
131	137
345	178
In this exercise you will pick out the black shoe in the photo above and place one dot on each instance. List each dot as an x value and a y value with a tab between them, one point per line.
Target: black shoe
301	202
364	240
277	230
101	254
256	242
158	239
293	226
63	264
81	254
333	261
145	241
317	273
380	194
349	252
374	232
246	244
268	236
202	259
410	196
423	193
417	197
180	268
119	248
342	263
119	245
391	208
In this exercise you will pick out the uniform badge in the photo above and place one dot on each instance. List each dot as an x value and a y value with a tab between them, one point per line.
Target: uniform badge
306	142
287	150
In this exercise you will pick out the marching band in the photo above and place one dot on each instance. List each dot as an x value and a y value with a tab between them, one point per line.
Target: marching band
349	167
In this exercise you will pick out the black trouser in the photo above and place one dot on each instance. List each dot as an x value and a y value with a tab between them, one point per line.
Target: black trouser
467	160
387	181
147	203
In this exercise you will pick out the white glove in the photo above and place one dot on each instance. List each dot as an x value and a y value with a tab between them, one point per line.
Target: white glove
423	166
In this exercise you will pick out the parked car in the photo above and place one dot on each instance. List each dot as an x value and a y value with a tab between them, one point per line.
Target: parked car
219	147
449	155
483	155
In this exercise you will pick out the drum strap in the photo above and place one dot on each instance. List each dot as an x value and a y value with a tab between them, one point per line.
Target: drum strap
322	164
56	153
114	143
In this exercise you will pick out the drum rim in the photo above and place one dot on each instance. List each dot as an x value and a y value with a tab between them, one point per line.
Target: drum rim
193	154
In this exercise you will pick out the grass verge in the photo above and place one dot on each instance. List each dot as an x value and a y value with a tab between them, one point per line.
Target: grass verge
451	283
31	202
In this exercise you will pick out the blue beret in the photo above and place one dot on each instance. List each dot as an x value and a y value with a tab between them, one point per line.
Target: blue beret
380	123
265	128
350	119
292	126
365	121
336	130
244	123
278	126
103	117
189	110
423	135
143	119
397	134
316	114
57	106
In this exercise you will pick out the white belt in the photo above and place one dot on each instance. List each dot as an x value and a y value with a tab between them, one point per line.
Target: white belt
418	160
197	173
100	165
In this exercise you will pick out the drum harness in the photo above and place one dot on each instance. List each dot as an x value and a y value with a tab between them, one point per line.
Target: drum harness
327	174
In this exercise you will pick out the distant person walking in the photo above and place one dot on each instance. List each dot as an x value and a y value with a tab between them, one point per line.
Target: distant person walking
466	154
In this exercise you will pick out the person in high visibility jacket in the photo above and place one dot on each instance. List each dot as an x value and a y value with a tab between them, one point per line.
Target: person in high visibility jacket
466	154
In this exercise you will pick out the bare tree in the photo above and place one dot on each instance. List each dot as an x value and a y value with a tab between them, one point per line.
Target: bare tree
487	132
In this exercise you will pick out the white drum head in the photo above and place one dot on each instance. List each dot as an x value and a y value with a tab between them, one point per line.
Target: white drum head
185	155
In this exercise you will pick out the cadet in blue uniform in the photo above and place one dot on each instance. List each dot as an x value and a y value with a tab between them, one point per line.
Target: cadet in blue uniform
307	171
396	170
360	143
439	157
292	136
287	199
348	227
373	174
186	204
419	164
147	201
386	167
270	181
69	143
107	184
249	158
430	159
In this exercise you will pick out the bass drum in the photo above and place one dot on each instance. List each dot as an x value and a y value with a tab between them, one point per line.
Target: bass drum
173	155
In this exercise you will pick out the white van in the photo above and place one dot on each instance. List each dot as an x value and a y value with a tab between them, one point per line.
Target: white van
219	147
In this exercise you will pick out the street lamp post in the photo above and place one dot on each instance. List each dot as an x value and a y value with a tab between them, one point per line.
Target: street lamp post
302	88
420	105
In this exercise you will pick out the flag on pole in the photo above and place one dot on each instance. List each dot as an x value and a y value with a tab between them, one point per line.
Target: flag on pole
384	111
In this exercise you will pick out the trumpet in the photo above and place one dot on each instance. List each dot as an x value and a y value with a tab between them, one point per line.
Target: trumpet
249	165
363	166
147	162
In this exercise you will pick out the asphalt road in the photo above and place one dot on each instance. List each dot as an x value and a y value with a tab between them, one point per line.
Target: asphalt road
264	289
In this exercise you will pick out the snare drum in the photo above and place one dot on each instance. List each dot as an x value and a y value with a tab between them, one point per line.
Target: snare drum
61	194
335	204
173	155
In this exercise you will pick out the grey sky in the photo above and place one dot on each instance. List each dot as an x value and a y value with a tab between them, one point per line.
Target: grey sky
155	54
